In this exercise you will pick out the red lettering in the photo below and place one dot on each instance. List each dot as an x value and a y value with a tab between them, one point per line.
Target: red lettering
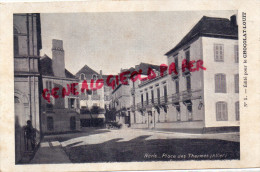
117	80
74	89
92	85
64	92
151	74
140	76
123	78
163	68
184	65
134	76
172	68
99	83
110	84
46	97
199	65
84	86
54	92
191	65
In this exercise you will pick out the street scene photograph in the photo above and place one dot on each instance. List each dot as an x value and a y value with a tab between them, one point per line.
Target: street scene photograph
126	87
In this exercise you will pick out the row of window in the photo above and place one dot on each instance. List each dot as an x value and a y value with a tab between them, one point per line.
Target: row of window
222	111
220	83
219	53
83	77
152	95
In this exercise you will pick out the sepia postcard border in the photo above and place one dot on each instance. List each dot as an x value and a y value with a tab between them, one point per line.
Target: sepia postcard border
250	115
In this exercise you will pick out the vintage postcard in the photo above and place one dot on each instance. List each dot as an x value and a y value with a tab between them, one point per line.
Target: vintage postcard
127	85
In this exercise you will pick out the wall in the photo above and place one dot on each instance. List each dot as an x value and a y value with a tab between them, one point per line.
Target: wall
230	68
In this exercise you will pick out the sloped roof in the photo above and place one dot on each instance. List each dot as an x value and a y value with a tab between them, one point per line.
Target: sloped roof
209	27
46	68
145	66
87	71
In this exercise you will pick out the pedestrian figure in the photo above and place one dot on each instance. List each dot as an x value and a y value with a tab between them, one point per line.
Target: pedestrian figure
30	134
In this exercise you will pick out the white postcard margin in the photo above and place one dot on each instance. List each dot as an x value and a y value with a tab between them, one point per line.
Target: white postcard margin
250	116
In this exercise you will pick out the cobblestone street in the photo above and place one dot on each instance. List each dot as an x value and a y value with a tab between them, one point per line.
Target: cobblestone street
126	145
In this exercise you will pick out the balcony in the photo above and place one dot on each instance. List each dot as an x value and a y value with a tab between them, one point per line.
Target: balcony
175	98
186	72
95	97
191	94
140	107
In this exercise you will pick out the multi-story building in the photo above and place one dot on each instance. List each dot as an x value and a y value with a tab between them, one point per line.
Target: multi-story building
61	112
202	95
206	98
122	96
150	101
92	101
27	45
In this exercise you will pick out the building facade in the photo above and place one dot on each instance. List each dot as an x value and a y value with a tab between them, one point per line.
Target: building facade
199	91
207	96
27	44
60	110
92	100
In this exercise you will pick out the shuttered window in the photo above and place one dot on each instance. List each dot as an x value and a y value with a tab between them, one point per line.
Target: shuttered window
236	53
236	83
237	111
220	83
221	111
219	52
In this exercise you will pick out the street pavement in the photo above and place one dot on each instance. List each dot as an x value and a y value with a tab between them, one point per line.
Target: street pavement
126	145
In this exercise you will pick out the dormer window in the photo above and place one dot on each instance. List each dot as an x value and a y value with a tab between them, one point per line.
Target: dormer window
94	77
82	76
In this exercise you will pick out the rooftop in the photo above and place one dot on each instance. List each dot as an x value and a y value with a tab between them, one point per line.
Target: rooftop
210	27
46	67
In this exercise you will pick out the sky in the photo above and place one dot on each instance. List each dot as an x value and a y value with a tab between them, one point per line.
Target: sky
113	40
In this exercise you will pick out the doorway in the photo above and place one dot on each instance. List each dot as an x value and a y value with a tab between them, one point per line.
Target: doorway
151	120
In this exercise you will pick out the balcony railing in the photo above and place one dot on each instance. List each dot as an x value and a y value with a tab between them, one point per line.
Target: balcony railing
190	94
175	98
186	72
174	75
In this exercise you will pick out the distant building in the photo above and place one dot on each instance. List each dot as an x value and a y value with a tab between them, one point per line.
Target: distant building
92	102
150	99
124	100
27	45
60	114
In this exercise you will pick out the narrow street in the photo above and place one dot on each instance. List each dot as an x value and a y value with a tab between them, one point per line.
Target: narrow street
126	145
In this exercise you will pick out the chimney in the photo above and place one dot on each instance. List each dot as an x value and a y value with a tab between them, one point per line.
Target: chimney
233	20
100	72
58	64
